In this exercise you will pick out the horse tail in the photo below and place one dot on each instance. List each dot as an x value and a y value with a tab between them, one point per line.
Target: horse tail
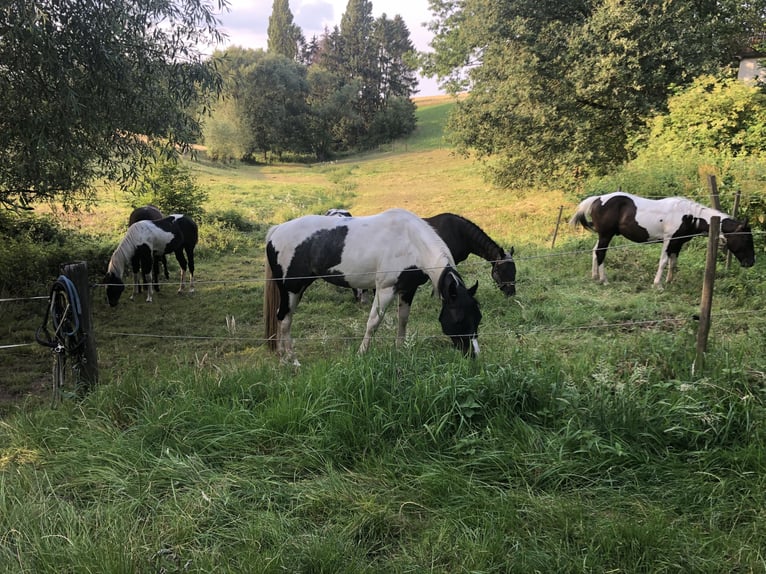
583	211
270	307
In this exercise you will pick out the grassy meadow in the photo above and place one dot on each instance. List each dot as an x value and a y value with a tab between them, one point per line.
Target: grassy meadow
581	440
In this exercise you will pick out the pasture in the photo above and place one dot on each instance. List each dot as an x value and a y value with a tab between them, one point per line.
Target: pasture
580	440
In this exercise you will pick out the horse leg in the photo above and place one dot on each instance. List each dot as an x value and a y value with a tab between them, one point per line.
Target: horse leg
664	256
285	340
149	288
599	255
136	283
182	262
380	303
190	257
405	304
672	266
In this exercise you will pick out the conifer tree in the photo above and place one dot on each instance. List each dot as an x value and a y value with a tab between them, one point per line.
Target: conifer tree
284	37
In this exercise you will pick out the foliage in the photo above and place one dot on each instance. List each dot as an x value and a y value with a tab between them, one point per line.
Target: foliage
348	90
172	188
273	102
87	89
557	91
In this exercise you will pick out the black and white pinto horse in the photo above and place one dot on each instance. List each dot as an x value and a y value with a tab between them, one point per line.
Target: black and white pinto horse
673	220
151	213
184	253
143	239
463	237
387	251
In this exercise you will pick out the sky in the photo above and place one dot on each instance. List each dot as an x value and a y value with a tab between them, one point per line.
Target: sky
247	21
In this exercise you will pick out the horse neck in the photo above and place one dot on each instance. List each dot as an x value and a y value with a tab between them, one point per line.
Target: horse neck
122	255
707	213
435	256
482	244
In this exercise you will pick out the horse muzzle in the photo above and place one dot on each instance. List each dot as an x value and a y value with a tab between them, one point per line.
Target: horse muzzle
509	289
469	346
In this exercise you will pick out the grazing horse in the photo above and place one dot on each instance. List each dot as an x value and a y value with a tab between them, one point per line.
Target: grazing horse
673	220
464	237
189	237
151	213
360	295
137	248
385	251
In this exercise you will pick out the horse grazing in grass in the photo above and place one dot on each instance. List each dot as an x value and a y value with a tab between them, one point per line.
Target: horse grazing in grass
143	239
151	213
673	220
387	251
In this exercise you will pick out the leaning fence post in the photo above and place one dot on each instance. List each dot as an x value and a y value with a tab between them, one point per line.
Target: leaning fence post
78	274
556	231
707	293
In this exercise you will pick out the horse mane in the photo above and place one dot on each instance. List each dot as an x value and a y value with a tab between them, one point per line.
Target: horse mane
475	239
432	244
123	253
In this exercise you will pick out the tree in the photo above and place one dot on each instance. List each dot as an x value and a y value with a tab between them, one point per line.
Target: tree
88	88
359	56
284	37
397	73
557	89
274	105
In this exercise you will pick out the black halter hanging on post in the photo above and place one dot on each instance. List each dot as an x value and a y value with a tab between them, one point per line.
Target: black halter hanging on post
65	314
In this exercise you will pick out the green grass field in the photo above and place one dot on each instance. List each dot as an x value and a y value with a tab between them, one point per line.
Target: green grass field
580	440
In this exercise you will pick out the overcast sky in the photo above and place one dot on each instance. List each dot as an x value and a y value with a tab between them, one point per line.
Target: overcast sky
246	23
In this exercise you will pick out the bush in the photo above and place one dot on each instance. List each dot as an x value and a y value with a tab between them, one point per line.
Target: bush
172	187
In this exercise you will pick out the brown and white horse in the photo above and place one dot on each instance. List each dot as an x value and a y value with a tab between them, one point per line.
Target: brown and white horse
673	220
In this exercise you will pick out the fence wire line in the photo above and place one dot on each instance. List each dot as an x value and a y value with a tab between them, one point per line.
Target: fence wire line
484	335
626	246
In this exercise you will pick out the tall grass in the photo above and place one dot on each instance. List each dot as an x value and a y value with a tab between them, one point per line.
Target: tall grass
580	440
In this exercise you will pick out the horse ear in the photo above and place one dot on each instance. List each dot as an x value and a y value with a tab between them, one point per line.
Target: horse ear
510	251
472	290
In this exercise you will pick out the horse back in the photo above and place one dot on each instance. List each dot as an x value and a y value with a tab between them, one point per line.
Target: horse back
147	212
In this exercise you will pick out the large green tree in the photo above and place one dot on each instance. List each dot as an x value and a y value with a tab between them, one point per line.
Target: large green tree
88	88
557	89
284	37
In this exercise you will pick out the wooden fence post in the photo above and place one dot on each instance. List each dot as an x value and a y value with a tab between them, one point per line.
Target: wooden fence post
556	231
78	274
714	199
707	293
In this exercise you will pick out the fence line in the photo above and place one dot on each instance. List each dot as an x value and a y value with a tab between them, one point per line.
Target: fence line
624	247
633	323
